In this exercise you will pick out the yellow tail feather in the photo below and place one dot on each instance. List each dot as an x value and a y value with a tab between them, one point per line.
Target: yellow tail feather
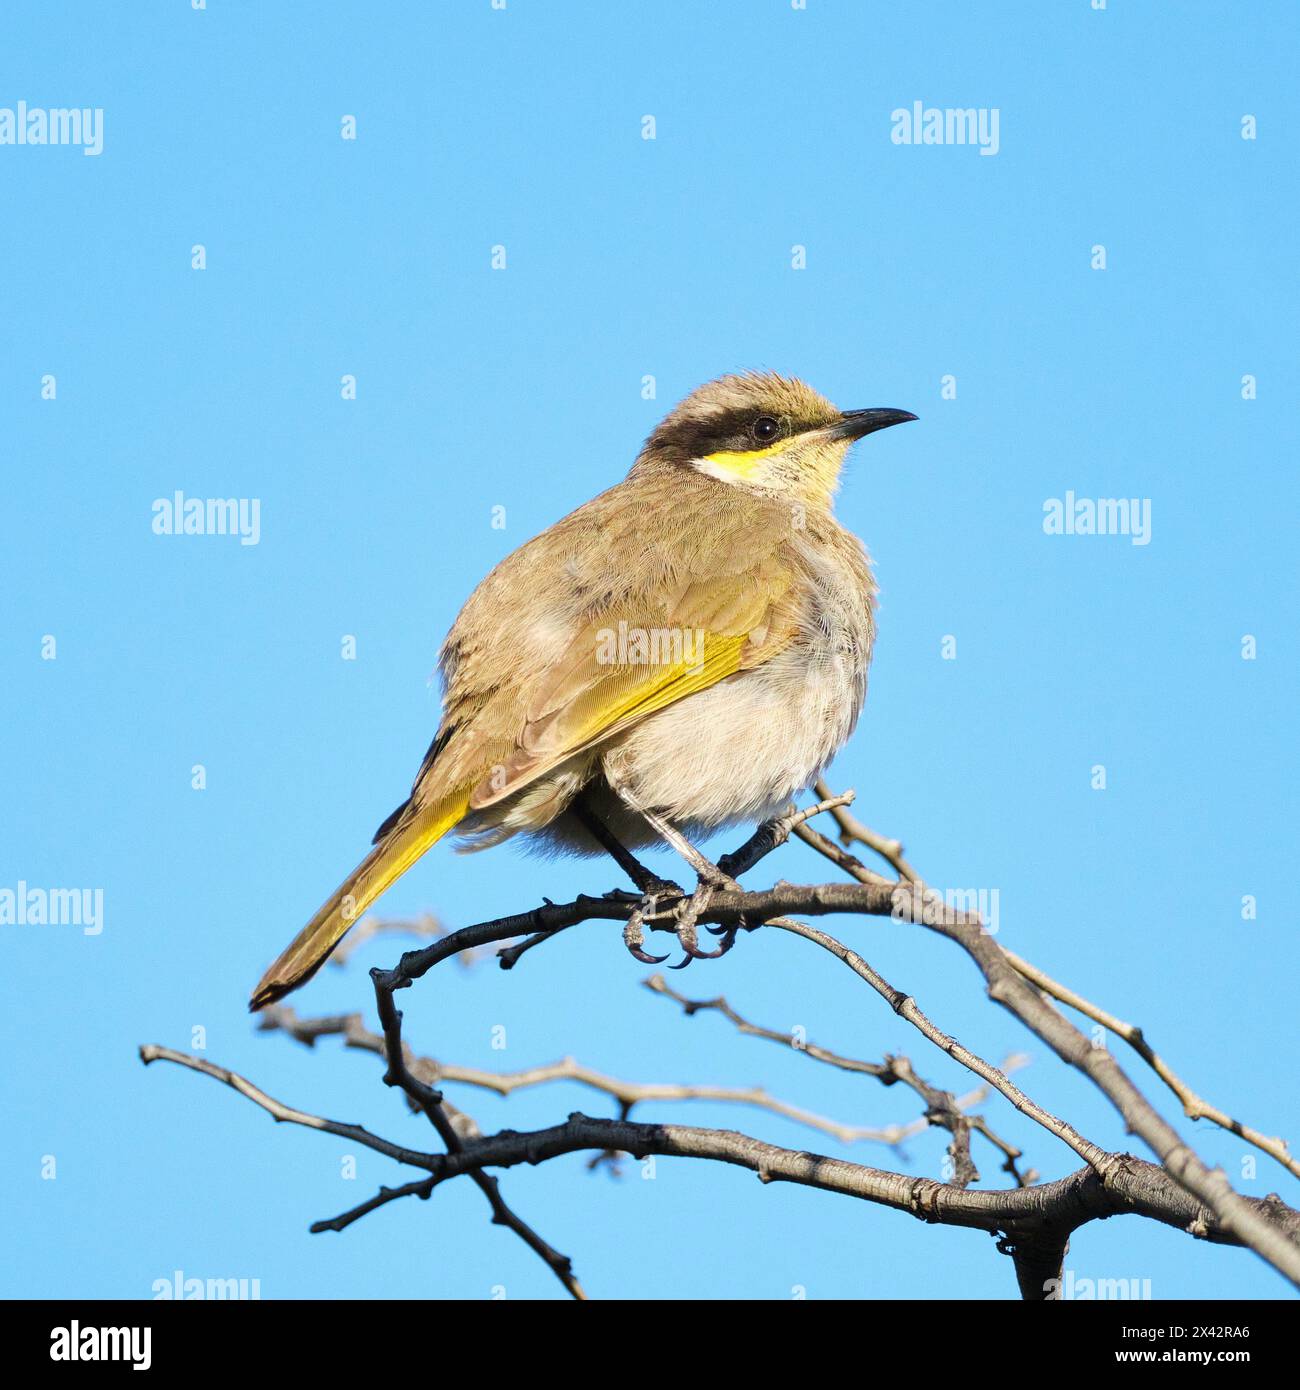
383	866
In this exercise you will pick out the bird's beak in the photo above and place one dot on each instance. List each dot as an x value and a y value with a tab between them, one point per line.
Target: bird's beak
854	424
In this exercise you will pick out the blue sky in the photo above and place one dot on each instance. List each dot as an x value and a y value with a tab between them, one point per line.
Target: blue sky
522	388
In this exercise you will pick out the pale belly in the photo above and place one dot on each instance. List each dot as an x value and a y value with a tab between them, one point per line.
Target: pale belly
738	752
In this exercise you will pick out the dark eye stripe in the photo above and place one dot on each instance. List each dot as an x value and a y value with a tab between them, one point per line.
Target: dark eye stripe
683	440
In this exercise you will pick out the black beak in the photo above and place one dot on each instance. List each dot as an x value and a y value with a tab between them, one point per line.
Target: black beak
854	424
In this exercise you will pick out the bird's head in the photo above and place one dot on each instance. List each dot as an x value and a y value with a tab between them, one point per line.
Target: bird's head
768	433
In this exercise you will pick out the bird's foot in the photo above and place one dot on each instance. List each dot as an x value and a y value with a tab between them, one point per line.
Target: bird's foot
634	931
688	915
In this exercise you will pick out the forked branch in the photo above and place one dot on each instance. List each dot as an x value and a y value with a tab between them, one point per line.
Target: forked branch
1032	1221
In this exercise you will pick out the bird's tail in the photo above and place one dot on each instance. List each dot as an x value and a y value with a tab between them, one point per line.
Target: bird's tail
398	847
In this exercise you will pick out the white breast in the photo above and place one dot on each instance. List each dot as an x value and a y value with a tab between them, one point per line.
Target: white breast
742	749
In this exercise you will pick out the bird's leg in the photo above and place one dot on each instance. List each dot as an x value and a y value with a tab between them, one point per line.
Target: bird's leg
650	885
711	878
645	879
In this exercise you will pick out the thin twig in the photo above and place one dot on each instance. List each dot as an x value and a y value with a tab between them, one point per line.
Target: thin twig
1194	1107
281	1113
280	1017
942	1107
429	1100
851	829
371	926
906	1007
772	834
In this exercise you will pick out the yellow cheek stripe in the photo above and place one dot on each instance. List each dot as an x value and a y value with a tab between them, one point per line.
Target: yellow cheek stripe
745	463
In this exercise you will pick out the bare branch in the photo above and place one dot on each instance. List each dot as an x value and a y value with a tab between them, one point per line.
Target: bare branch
906	1007
152	1052
852	829
773	834
501	1213
912	903
627	1093
657	984
398	1073
420	1188
942	1107
371	926
1193	1106
1038	1218
1031	1221
1010	988
840	856
425	925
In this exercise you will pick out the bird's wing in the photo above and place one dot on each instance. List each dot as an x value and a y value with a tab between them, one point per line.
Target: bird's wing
638	656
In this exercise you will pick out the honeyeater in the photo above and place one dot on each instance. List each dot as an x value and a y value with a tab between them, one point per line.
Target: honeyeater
684	652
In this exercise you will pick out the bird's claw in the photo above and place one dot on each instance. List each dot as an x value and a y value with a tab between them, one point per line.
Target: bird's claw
634	931
688	914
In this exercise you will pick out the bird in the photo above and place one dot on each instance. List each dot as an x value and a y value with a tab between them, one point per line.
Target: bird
683	653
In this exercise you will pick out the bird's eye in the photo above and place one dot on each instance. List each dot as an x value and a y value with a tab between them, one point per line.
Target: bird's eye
765	429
